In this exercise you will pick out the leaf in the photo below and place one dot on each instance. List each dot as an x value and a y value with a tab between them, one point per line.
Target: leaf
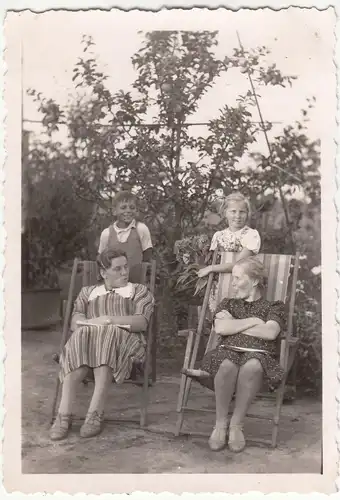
201	284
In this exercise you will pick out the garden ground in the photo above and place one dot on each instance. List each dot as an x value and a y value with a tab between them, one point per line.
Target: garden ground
125	448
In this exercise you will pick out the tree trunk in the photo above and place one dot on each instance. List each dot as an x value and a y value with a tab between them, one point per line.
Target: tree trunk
168	325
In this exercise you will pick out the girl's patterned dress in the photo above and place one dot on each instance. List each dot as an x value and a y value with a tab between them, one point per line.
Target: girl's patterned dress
109	345
230	346
229	241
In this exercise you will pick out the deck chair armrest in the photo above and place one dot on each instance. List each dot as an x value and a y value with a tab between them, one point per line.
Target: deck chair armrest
293	341
185	333
88	323
292	344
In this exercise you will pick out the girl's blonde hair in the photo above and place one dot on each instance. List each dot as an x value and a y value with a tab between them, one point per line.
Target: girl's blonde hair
235	197
253	268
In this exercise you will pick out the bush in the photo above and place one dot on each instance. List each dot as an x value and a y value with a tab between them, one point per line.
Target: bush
308	325
307	314
57	221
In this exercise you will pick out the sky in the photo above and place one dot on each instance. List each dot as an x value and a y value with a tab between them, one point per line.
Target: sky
300	40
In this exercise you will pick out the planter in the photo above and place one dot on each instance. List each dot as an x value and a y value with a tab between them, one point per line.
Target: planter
40	308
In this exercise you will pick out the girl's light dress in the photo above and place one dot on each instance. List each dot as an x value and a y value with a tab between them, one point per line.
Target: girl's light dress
229	241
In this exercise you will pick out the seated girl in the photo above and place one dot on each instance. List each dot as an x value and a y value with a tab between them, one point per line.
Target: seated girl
248	327
108	323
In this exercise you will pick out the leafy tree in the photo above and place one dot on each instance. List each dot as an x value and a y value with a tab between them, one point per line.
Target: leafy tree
175	172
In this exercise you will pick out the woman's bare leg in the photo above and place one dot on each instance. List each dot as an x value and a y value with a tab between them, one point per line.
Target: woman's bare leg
95	415
103	380
249	382
63	421
225	381
69	388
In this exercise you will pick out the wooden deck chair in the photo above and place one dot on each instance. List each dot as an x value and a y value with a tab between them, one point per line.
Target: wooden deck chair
281	272
89	275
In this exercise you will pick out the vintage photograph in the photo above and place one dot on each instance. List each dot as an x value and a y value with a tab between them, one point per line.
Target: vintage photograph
171	245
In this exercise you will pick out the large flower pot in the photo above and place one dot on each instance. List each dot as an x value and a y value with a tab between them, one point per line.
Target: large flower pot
40	308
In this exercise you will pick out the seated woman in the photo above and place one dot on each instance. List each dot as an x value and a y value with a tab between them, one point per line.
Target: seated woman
108	322
248	327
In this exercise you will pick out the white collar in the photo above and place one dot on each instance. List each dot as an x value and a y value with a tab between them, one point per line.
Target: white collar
123	291
238	231
124	229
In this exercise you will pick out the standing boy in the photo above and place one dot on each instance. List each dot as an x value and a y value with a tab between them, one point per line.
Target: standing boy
128	234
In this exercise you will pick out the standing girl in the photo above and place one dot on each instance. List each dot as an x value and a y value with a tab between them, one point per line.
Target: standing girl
237	237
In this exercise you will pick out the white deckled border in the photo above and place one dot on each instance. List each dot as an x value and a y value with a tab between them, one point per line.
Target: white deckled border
12	188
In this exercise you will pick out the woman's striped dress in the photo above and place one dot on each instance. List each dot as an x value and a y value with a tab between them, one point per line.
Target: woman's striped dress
94	346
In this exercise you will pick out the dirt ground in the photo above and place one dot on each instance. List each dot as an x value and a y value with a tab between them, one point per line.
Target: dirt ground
124	448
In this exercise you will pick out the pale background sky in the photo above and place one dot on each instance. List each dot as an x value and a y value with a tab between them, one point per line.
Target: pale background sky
301	42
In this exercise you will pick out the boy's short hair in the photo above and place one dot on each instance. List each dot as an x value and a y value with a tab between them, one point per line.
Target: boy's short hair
123	196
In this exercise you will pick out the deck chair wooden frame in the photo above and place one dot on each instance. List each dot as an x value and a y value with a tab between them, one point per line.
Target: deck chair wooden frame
89	275
282	274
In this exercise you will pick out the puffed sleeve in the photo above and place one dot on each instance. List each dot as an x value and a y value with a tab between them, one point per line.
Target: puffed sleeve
104	239
277	312
144	236
81	302
144	302
214	241
251	240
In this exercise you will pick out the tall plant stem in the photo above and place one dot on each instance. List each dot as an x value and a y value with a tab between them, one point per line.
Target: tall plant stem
283	201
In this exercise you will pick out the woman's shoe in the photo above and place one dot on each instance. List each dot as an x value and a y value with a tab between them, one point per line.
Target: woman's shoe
61	426
93	424
217	440
236	440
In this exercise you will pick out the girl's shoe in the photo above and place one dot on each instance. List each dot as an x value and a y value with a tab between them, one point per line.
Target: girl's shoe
236	440
217	440
93	424
61	426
